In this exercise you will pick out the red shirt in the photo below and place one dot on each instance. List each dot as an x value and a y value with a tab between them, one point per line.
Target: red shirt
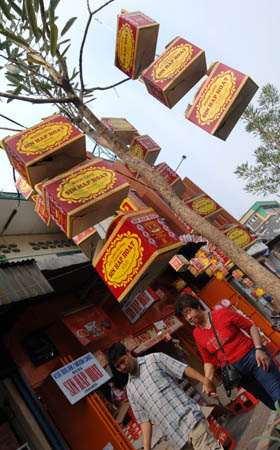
228	325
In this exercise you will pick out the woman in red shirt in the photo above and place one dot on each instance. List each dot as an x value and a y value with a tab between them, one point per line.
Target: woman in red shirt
245	351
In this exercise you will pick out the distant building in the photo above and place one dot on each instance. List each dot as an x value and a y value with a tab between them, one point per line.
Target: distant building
260	215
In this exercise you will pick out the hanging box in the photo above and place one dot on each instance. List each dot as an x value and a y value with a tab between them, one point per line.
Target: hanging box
240	236
87	241
84	196
221	100
175	71
171	177
121	128
45	150
145	148
204	205
23	188
136	42
137	250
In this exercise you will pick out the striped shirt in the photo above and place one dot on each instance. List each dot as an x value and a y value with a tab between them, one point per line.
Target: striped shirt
155	396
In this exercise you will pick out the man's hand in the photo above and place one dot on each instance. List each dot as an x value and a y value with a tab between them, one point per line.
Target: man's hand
262	359
209	388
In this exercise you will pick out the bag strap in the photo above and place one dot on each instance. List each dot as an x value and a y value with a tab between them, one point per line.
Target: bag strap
216	336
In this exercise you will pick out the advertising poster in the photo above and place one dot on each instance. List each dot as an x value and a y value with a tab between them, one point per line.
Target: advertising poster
88	324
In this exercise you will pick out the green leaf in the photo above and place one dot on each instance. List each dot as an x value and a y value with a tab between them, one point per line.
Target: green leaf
68	25
15	92
65	50
51	10
32	18
15	7
36	5
13	37
34	61
6	10
53	38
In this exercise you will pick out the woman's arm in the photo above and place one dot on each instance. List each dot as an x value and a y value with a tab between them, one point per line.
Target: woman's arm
209	370
261	357
208	386
146	428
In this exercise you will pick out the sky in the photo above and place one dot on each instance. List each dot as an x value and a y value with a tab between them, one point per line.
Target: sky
242	34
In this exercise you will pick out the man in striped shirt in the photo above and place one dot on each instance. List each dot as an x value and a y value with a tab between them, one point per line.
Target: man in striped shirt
157	398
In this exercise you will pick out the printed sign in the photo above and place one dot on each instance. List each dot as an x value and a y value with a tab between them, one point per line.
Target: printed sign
89	324
150	337
80	377
134	308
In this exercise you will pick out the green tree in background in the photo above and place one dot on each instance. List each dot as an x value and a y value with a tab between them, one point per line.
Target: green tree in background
35	51
263	177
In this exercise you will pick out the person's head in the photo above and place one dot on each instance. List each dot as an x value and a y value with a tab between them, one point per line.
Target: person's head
121	359
189	307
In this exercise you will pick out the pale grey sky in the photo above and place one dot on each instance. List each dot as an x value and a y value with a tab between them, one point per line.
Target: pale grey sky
241	34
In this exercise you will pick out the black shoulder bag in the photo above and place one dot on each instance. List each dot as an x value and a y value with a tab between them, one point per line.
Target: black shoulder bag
231	376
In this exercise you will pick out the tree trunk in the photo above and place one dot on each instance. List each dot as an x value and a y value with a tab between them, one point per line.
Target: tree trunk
262	277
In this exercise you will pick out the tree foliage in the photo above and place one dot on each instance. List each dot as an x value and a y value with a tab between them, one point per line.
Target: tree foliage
263	121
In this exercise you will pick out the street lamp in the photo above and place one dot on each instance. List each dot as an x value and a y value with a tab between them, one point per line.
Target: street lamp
183	157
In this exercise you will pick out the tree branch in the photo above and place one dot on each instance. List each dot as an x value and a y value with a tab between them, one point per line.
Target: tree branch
84	41
37	100
110	87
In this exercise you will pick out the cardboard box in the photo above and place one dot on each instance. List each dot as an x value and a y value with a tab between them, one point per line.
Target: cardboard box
87	241
84	196
240	236
40	210
138	248
204	206
136	42
221	100
175	71
24	189
179	263
46	149
145	148
121	128
171	177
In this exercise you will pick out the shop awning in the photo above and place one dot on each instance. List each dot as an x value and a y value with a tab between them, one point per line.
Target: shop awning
21	280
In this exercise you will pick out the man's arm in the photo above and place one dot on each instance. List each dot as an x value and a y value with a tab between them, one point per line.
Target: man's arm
208	386
146	428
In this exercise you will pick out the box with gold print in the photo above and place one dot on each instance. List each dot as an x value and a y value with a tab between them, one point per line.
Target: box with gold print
221	100
87	241
175	71
84	196
136	42
24	189
46	149
121	128
139	246
145	148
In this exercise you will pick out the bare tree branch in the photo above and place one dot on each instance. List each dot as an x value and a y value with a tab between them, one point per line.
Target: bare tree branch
112	85
37	100
84	41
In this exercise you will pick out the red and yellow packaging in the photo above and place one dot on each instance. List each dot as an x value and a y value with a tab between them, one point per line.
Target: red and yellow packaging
24	189
179	263
46	149
204	206
136	42
132	203
237	274
257	292
221	273
221	100
84	196
138	248
87	241
175	71
145	148
121	128
171	177
240	236
40	209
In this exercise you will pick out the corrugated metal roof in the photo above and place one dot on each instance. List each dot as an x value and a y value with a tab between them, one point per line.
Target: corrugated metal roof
21	280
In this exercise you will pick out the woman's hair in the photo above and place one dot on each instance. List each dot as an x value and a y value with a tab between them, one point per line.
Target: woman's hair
185	301
115	351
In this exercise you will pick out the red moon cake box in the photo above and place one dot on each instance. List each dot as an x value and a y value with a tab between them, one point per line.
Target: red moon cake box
46	149
121	128
136	42
175	71
84	196
221	100
139	247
